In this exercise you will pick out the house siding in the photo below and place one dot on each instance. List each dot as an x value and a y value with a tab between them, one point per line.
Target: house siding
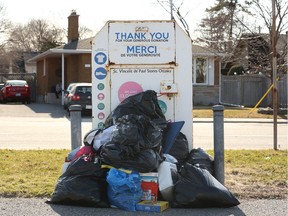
205	95
74	71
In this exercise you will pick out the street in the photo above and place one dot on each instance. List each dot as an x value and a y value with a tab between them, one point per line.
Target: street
46	126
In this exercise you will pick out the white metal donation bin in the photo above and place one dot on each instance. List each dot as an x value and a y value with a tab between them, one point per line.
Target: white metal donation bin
129	57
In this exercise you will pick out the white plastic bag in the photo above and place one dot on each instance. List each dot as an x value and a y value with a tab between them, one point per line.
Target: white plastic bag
103	137
165	179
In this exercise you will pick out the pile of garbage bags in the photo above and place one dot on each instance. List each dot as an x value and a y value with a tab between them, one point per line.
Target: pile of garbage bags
105	171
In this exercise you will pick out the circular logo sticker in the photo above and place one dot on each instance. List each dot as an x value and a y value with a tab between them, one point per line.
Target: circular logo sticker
101	106
100	58
128	89
100	96
163	106
100	86
100	73
100	125
101	115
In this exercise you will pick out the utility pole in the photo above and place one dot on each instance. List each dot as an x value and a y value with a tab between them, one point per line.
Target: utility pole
171	9
274	66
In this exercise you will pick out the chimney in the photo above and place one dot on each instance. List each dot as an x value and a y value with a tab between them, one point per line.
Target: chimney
73	34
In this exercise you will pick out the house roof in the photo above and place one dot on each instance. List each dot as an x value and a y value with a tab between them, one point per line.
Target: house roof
75	47
85	46
204	51
266	37
29	55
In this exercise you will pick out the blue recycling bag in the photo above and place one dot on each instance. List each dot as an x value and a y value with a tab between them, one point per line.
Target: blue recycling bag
124	189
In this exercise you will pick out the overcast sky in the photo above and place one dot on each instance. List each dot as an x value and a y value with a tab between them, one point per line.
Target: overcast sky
94	13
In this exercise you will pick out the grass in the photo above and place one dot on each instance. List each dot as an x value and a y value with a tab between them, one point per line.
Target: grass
232	112
30	173
257	174
248	174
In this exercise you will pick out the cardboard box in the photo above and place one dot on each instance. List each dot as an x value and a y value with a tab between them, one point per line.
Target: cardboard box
150	206
149	177
149	184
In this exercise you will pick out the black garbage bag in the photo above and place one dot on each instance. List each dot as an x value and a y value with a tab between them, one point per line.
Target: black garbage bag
180	149
144	103
197	188
134	133
83	184
146	160
135	144
201	158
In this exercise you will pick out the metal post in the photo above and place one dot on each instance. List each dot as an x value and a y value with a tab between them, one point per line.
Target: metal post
75	119
219	142
274	68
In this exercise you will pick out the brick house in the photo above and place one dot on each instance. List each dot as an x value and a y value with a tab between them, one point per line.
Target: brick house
68	63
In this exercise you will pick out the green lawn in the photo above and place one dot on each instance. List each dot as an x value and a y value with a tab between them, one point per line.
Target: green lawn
233	112
248	174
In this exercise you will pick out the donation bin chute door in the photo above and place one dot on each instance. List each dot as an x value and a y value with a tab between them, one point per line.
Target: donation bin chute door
127	81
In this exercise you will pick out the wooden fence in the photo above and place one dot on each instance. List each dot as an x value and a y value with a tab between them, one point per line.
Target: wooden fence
248	90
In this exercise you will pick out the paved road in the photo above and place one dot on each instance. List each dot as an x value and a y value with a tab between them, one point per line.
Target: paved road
38	207
42	126
45	126
242	134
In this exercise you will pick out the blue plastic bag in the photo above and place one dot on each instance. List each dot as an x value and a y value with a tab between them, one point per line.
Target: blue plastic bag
124	189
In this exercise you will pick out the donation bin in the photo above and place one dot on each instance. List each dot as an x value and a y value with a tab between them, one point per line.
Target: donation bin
129	57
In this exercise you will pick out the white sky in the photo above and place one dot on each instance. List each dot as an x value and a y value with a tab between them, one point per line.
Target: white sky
94	13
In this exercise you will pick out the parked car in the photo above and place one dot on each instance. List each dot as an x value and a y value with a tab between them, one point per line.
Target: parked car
66	93
81	94
15	90
1	85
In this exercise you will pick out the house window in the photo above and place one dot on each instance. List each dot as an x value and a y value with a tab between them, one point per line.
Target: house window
200	70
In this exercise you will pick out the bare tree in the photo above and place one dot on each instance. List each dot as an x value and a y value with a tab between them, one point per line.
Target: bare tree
37	36
264	12
173	8
85	32
5	25
259	45
225	30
